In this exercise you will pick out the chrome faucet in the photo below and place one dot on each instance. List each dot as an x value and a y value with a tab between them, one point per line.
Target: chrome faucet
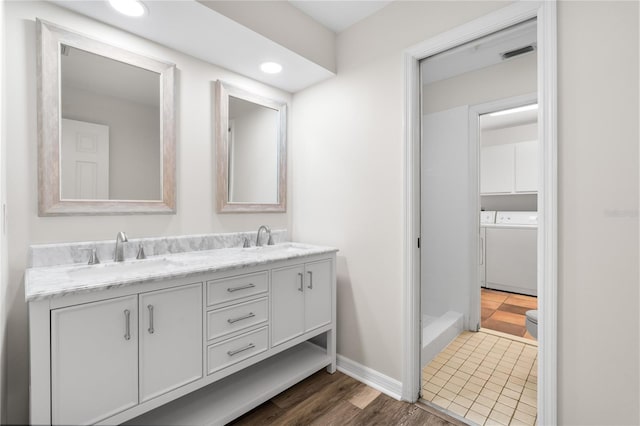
118	254
268	230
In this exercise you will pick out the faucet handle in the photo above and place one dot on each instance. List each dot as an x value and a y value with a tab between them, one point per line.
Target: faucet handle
246	243
93	257
141	254
270	242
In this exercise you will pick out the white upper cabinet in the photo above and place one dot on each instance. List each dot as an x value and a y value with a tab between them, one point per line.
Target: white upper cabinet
496	169
509	168
526	166
170	339
94	360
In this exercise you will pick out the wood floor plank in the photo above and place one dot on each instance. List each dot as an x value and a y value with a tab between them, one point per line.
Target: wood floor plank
504	327
385	411
301	391
263	414
364	396
342	413
509	317
520	310
316	405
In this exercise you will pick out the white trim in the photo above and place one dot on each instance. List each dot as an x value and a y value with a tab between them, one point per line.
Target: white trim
545	12
370	377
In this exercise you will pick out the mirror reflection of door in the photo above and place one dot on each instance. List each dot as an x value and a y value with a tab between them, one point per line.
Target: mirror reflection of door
125	99
253	152
84	161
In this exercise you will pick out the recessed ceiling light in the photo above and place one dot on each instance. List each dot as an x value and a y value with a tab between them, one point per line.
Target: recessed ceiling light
514	110
129	7
271	67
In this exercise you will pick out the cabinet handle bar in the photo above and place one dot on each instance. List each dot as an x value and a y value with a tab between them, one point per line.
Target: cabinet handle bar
237	351
127	325
249	315
242	287
301	281
310	286
150	329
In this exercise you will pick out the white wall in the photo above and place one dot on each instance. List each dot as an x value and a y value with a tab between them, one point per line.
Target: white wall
134	140
503	80
351	129
3	238
598	213
255	156
348	172
513	134
195	167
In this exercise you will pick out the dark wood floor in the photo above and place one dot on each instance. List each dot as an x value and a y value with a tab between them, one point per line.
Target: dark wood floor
337	399
505	312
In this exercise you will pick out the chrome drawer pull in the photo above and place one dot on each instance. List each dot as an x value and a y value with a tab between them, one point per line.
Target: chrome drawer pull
127	325
301	280
242	287
249	315
237	351
150	329
310	286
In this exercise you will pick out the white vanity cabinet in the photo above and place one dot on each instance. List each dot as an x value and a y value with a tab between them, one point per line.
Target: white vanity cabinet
94	360
125	350
170	339
201	349
300	300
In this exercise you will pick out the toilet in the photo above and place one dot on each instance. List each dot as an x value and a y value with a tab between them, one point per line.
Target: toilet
532	322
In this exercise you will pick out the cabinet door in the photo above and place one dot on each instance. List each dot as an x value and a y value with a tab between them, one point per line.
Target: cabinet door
94	360
527	166
497	169
287	304
170	339
317	295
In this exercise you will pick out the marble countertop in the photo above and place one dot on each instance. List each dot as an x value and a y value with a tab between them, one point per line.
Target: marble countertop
55	281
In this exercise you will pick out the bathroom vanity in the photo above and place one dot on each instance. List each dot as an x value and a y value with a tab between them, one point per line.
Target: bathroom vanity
198	337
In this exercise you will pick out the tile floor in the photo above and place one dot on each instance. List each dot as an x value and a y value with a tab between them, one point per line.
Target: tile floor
486	378
505	312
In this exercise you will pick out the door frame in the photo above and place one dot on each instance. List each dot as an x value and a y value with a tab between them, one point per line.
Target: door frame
545	13
475	111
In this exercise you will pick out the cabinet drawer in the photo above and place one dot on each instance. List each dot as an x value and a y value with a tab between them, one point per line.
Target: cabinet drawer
237	349
237	317
227	289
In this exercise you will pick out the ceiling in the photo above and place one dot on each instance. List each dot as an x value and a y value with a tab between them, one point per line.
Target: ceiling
339	15
190	27
97	74
489	122
479	53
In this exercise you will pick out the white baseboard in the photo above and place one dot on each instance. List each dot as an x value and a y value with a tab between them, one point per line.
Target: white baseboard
370	377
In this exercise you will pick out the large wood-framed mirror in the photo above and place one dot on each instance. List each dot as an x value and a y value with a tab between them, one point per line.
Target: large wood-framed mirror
106	128
251	151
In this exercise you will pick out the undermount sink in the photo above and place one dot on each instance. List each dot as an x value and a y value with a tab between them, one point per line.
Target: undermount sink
126	267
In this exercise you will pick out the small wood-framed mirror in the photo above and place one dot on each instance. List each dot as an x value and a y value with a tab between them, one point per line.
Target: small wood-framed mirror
251	151
106	128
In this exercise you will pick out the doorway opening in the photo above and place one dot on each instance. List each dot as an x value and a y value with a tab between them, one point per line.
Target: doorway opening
460	88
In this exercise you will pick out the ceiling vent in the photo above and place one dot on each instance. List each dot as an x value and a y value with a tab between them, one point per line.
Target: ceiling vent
517	52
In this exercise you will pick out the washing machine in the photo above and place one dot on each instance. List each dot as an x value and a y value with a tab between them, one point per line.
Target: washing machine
511	252
486	218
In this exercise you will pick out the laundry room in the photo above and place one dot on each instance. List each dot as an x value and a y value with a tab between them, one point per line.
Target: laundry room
508	220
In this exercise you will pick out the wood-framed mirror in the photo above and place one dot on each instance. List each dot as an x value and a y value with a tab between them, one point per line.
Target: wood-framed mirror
106	128
251	151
